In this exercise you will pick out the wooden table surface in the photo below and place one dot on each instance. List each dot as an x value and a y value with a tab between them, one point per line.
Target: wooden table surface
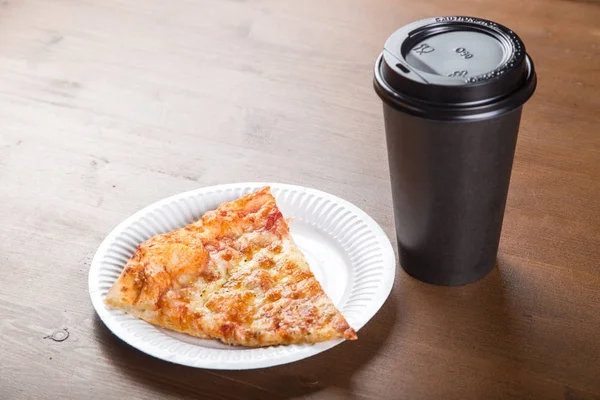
109	105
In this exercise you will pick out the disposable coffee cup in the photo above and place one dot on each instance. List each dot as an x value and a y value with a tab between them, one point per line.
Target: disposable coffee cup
453	89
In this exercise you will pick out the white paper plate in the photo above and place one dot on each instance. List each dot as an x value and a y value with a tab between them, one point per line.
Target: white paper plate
347	251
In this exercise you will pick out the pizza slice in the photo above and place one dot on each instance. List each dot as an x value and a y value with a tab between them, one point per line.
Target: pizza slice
235	275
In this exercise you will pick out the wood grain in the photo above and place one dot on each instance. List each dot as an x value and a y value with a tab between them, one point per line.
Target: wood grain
107	106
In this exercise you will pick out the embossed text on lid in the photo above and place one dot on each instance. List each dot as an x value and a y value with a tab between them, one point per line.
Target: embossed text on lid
458	54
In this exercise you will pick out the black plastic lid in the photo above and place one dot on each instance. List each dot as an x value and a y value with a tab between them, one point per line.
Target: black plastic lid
454	68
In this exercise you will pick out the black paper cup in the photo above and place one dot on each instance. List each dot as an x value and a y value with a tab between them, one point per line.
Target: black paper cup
453	90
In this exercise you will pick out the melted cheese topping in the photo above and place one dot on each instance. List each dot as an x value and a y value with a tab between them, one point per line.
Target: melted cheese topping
236	275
